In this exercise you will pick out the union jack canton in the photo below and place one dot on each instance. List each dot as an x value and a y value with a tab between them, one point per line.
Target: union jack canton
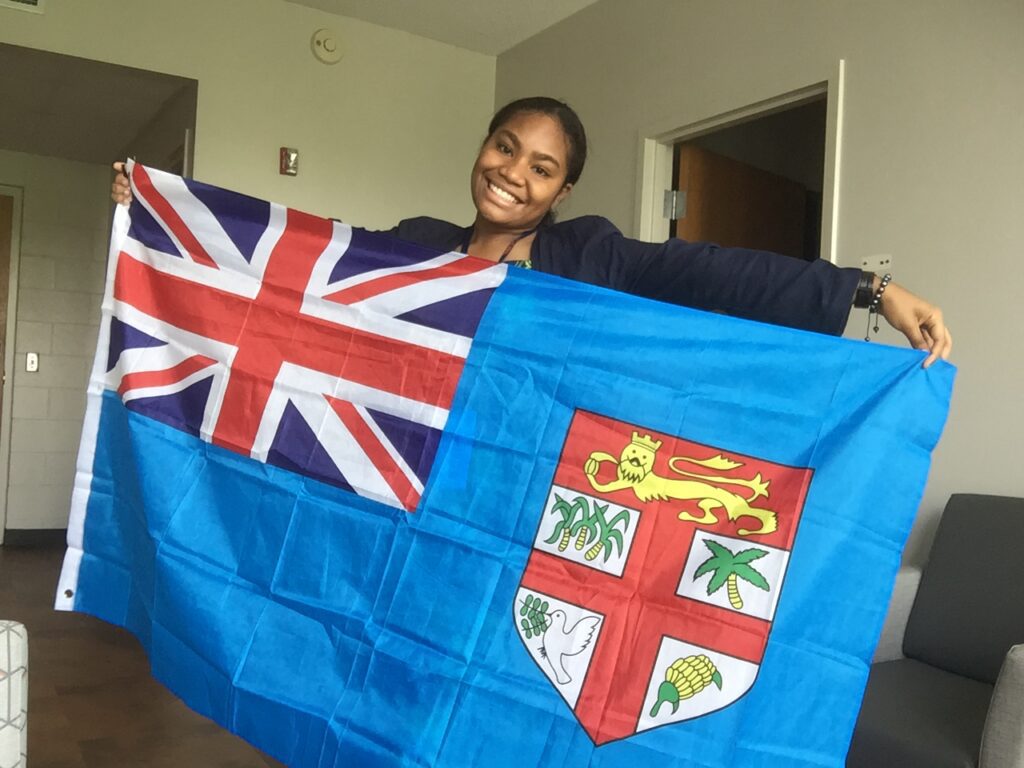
301	342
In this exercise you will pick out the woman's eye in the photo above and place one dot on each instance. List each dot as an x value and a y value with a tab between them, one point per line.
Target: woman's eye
541	171
505	149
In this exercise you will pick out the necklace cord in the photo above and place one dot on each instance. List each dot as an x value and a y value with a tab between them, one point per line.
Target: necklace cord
508	248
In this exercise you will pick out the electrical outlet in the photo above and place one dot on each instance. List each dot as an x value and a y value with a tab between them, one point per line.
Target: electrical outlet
880	262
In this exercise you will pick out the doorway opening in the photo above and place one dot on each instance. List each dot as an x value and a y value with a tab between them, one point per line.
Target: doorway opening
69	118
757	184
753	135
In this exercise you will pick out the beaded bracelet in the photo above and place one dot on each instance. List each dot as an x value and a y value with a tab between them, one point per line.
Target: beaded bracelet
874	308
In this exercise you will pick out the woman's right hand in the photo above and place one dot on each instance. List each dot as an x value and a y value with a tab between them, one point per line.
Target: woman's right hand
121	190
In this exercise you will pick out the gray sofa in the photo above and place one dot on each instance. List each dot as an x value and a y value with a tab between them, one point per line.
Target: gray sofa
947	686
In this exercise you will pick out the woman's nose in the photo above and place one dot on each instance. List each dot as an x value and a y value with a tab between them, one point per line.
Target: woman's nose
513	171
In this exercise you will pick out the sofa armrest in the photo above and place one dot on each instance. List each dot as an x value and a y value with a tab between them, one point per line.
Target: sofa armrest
1002	742
890	644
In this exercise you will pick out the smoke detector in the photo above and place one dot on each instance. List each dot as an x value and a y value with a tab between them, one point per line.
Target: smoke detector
326	46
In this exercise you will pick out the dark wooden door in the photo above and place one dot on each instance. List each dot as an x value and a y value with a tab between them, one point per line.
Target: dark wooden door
732	203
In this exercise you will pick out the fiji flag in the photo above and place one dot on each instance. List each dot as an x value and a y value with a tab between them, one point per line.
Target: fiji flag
367	504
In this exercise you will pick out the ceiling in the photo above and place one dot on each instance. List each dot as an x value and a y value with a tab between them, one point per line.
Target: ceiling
76	108
89	111
485	26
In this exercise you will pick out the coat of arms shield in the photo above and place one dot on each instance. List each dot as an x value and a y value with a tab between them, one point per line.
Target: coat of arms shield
655	574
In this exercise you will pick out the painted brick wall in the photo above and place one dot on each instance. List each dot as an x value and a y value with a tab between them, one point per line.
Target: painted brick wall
65	228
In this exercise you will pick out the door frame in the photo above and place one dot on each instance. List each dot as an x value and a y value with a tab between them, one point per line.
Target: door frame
654	169
7	403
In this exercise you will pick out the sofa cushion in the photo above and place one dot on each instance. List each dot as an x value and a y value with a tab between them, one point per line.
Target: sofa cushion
969	608
916	716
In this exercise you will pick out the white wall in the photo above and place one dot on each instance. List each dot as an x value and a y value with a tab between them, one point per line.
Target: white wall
389	132
161	142
933	158
60	284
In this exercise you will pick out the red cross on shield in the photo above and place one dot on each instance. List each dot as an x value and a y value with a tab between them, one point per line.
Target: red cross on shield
655	574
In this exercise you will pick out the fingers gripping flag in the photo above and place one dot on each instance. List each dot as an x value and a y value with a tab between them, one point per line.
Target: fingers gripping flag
364	503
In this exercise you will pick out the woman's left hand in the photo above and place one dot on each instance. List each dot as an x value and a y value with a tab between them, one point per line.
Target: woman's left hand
918	320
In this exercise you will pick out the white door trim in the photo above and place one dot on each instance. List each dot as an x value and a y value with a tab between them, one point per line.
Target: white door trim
9	357
654	169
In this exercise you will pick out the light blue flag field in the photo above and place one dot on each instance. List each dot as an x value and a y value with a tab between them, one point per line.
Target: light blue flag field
368	504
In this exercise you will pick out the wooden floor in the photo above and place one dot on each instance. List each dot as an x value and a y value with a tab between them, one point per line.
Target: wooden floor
92	702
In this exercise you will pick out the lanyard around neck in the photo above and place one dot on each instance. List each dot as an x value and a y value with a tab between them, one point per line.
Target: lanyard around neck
508	248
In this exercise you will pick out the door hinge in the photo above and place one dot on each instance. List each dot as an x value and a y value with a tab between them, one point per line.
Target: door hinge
675	204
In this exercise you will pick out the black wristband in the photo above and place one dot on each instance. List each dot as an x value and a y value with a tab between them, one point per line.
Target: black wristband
865	290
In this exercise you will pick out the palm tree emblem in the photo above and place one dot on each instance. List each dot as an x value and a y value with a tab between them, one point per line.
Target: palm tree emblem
729	567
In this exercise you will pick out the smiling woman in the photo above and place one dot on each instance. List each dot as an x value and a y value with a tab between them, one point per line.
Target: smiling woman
519	176
532	157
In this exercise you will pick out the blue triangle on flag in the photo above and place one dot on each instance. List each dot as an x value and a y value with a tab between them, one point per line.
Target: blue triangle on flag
295	447
182	410
124	336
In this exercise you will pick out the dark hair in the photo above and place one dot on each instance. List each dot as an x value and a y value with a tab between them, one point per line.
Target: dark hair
575	136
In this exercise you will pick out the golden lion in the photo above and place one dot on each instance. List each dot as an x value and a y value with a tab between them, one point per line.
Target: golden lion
634	470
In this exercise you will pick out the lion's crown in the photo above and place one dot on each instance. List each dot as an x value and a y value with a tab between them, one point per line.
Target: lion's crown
646	442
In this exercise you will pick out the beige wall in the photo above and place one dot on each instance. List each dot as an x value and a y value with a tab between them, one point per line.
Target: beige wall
60	284
933	158
161	142
389	132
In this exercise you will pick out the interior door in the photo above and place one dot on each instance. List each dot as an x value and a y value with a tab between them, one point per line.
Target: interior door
732	203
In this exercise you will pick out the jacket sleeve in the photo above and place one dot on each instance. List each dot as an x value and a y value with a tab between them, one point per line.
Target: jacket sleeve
758	285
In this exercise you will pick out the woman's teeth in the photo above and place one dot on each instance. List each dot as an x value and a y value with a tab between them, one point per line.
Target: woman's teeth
502	193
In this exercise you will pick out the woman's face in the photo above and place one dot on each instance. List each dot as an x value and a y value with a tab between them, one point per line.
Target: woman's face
520	172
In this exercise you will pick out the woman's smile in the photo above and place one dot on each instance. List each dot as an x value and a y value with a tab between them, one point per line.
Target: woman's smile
503	194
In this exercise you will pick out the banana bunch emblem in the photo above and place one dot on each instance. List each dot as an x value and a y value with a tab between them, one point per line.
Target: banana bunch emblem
684	679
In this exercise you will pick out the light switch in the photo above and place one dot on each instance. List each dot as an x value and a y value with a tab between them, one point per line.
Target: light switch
32	362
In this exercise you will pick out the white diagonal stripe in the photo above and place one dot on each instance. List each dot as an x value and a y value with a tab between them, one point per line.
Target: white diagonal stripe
339	444
268	239
293	382
399	460
381	325
203	225
341	238
376	274
225	280
185	342
407	298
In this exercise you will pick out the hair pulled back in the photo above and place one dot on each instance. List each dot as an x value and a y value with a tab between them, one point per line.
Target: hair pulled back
567	118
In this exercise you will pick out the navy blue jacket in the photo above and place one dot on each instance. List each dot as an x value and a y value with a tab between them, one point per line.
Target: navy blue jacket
812	295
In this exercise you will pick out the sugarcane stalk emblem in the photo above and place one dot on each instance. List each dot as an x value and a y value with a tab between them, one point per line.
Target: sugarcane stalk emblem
589	525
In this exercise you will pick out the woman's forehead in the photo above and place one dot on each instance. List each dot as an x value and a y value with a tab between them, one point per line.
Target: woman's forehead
539	133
